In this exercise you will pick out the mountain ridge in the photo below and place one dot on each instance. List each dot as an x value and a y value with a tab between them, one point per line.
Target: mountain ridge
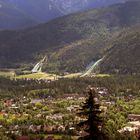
70	42
27	13
123	57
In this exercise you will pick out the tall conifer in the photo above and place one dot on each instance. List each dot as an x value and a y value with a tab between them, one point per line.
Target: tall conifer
91	120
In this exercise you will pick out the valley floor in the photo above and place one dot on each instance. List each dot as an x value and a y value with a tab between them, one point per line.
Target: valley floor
42	109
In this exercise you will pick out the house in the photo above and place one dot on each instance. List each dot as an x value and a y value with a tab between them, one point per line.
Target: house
61	128
135	123
38	128
32	128
132	128
128	129
48	129
8	103
23	138
134	117
34	101
102	90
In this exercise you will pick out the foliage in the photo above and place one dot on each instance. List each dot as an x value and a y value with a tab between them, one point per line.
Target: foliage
122	56
91	112
52	105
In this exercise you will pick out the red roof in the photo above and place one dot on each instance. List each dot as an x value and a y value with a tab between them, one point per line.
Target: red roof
23	138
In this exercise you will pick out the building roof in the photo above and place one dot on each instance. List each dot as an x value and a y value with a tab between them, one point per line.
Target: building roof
135	123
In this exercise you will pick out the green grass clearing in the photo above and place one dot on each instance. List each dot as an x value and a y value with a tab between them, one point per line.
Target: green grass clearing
40	75
7	74
72	75
102	75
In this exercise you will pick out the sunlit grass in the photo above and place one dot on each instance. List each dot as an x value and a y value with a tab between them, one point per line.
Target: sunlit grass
72	75
43	75
102	75
40	75
7	74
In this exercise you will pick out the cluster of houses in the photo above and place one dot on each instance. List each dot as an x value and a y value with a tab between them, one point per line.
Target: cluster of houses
133	126
54	120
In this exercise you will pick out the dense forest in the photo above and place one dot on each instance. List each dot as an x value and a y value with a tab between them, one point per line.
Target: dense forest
115	84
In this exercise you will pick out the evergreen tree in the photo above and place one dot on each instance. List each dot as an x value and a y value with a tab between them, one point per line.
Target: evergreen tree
92	122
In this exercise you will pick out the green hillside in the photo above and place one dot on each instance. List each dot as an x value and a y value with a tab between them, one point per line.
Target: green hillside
70	42
124	55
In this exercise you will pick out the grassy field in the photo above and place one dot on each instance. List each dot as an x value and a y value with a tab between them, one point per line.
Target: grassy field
75	75
72	75
7	74
102	75
42	75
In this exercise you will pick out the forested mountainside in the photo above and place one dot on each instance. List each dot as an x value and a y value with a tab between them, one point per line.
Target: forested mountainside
15	14
69	42
124	53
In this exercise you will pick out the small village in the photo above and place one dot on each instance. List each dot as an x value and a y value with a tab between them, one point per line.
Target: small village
56	117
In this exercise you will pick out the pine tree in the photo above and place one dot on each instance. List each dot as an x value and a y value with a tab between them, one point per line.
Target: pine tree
92	122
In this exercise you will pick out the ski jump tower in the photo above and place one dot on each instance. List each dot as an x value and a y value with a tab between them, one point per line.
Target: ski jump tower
38	67
92	69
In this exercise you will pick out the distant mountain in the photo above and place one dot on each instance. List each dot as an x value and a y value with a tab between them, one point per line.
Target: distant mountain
16	14
70	42
124	53
70	6
11	17
25	13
